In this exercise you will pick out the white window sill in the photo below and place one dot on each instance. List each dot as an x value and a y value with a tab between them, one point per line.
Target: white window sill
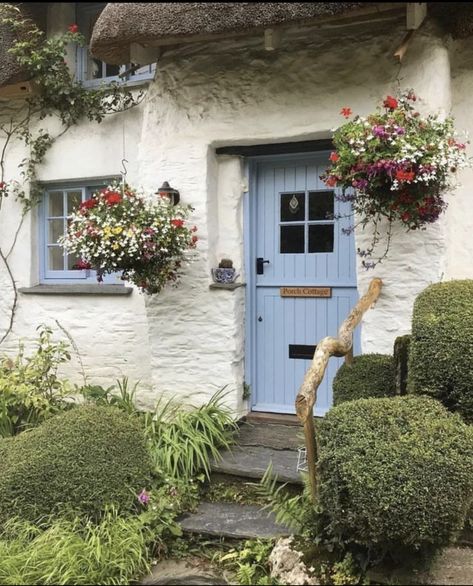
119	290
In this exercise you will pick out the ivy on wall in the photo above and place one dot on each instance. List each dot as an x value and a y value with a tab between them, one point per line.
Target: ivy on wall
57	94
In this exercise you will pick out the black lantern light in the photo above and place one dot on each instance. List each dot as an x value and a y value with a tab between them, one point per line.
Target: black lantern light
167	190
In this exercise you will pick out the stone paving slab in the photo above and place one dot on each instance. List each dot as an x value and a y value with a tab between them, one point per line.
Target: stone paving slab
253	461
277	437
233	521
182	572
454	566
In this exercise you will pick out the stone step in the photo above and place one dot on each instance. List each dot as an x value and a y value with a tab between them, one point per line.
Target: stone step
253	461
276	436
232	521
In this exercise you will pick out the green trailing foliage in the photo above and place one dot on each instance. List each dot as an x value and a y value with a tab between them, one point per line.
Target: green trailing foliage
30	388
249	562
369	375
441	350
395	474
183	440
113	551
79	461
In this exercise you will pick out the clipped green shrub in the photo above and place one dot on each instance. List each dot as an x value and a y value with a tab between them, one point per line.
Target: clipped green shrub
78	461
370	375
395	473
401	358
441	352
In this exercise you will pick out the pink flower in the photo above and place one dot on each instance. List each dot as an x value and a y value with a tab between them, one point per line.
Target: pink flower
144	496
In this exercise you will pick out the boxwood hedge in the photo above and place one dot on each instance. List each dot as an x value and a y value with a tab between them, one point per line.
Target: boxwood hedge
369	375
395	473
78	461
441	352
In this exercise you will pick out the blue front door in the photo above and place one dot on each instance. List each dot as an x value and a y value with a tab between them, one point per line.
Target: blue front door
298	237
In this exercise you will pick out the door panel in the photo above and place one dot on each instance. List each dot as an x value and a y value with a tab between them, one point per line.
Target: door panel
298	229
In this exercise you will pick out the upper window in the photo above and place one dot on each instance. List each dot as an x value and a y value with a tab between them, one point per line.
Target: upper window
92	71
56	266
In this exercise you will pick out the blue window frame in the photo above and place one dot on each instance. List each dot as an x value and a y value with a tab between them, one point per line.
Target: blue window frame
93	72
58	202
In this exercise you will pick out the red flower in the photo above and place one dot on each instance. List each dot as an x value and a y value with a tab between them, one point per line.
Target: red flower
331	181
405	175
82	265
347	112
405	217
177	223
88	204
390	103
334	157
113	198
2	186
194	239
73	28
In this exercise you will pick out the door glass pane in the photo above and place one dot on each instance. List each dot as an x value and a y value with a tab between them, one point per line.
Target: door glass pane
111	70
320	205
321	238
56	229
56	201
74	198
292	239
292	207
55	258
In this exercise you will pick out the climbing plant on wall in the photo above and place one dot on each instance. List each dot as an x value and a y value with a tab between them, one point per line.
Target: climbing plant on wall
57	94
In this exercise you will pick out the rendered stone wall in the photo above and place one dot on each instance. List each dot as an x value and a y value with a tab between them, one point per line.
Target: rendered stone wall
189	341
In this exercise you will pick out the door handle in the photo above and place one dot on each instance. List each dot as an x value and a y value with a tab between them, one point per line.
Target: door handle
260	262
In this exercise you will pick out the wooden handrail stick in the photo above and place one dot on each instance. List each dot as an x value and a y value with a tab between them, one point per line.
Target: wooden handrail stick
328	347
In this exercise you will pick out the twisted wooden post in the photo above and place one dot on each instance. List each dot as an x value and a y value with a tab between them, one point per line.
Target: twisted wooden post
341	346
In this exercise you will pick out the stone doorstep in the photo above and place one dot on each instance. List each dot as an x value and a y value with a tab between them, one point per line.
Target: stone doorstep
454	566
232	521
253	461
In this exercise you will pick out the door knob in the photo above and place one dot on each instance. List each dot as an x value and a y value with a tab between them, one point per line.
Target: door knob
260	262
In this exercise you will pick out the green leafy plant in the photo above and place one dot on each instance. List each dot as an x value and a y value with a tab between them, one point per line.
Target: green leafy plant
120	395
30	388
441	350
395	474
77	462
369	375
289	510
76	551
249	563
183	439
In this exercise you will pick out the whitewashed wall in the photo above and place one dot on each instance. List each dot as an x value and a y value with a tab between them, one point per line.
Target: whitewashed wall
189	341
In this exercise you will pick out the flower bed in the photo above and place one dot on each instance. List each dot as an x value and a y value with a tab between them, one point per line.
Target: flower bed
395	164
118	229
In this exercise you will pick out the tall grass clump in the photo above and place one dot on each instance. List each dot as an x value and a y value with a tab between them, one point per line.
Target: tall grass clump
113	551
184	440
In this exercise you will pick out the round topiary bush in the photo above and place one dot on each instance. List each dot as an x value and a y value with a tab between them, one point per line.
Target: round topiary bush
441	351
78	461
395	473
369	375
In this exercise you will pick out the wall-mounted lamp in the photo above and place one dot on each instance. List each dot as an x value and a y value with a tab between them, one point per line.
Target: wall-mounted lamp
167	190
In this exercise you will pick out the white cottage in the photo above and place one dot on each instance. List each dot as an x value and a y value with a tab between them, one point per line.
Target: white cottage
241	100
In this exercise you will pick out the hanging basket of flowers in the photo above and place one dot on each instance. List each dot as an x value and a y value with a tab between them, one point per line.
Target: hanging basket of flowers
121	230
395	164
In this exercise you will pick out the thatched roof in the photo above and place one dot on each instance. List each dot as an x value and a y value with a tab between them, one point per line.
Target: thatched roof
121	24
10	71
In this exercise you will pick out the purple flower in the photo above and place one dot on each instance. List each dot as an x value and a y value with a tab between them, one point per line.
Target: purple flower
360	183
380	131
144	497
400	131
